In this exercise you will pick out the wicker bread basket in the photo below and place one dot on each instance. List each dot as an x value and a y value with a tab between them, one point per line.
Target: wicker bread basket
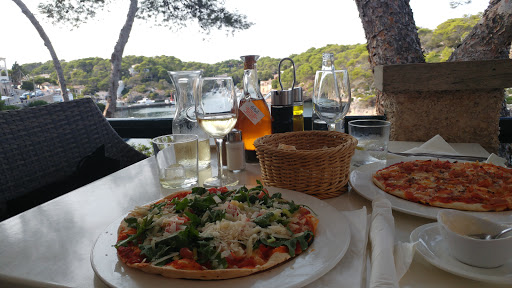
319	166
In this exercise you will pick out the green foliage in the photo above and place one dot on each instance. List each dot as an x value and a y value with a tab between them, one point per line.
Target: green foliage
37	103
451	32
7	107
16	73
150	78
144	149
209	14
40	80
508	95
101	106
27	85
440	43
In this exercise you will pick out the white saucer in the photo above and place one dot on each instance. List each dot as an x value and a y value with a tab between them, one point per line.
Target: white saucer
433	248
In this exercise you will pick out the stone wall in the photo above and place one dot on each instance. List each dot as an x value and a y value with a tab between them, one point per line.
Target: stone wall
462	116
461	101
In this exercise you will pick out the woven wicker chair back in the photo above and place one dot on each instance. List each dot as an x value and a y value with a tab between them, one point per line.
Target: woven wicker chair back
40	145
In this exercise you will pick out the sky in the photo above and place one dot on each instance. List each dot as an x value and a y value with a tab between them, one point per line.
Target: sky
281	28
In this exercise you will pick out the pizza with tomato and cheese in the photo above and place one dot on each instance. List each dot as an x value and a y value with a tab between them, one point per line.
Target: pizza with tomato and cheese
470	186
215	233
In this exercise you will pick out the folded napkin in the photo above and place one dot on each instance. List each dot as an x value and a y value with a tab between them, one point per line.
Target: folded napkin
349	271
496	160
389	261
439	146
435	145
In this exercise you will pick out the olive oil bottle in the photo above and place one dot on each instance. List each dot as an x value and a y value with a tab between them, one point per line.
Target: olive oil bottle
254	117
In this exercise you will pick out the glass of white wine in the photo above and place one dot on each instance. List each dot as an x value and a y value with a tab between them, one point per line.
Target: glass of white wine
216	112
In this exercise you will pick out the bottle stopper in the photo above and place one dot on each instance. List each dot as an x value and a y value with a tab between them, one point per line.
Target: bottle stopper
249	61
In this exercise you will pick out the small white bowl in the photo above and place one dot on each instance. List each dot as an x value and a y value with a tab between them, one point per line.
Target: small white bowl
456	225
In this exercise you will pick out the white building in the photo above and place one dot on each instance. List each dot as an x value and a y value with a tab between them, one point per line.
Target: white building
5	81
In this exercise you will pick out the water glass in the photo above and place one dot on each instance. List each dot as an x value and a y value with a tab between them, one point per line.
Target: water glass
176	156
373	139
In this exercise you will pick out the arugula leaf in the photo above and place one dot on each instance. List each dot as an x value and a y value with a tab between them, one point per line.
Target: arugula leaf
216	215
265	220
158	206
241	196
141	229
131	221
201	204
207	253
156	253
283	221
253	199
199	190
291	243
293	207
277	196
193	218
181	239
180	205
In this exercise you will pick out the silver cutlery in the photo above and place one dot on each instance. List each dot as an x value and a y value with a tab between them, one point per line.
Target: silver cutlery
444	156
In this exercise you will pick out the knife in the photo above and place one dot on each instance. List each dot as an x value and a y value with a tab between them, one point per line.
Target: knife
455	157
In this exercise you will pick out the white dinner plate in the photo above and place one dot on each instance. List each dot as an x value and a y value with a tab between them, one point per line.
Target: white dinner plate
434	249
361	181
329	246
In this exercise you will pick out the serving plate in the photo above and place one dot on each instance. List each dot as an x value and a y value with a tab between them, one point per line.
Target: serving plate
329	246
432	247
361	181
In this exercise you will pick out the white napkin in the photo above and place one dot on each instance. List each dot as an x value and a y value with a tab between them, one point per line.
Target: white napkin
496	160
439	146
435	145
389	261
349	271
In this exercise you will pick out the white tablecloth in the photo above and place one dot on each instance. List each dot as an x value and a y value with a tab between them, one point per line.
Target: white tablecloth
50	245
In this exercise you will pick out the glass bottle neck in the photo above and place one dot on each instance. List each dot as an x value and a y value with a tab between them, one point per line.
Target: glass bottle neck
328	61
251	85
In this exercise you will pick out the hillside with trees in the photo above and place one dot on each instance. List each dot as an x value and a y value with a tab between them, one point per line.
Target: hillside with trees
148	77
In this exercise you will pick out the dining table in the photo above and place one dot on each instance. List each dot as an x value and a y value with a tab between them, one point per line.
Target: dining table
50	245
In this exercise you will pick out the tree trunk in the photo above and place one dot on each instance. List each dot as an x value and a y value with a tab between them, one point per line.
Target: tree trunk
491	37
117	57
48	44
391	35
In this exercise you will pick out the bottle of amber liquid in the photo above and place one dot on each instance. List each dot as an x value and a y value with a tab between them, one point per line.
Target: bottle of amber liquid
254	118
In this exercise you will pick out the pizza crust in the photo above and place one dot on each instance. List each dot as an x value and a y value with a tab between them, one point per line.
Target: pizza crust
460	206
219	274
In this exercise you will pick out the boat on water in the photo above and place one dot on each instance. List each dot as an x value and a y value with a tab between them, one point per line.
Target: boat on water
145	101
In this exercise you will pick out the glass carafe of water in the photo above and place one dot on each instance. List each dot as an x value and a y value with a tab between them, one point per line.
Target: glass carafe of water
184	121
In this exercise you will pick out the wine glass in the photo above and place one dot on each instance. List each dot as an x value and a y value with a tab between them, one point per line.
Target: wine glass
216	112
331	96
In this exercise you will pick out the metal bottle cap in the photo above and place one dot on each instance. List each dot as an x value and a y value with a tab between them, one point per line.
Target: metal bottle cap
234	135
297	94
281	98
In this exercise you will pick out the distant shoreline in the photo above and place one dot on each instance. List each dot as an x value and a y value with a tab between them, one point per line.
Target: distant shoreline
138	106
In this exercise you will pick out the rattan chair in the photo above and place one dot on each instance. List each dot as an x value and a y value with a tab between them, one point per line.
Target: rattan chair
43	145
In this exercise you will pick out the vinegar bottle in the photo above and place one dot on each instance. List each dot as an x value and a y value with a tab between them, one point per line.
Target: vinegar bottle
254	118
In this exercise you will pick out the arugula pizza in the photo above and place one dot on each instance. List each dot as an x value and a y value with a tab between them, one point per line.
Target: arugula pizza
471	186
215	233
